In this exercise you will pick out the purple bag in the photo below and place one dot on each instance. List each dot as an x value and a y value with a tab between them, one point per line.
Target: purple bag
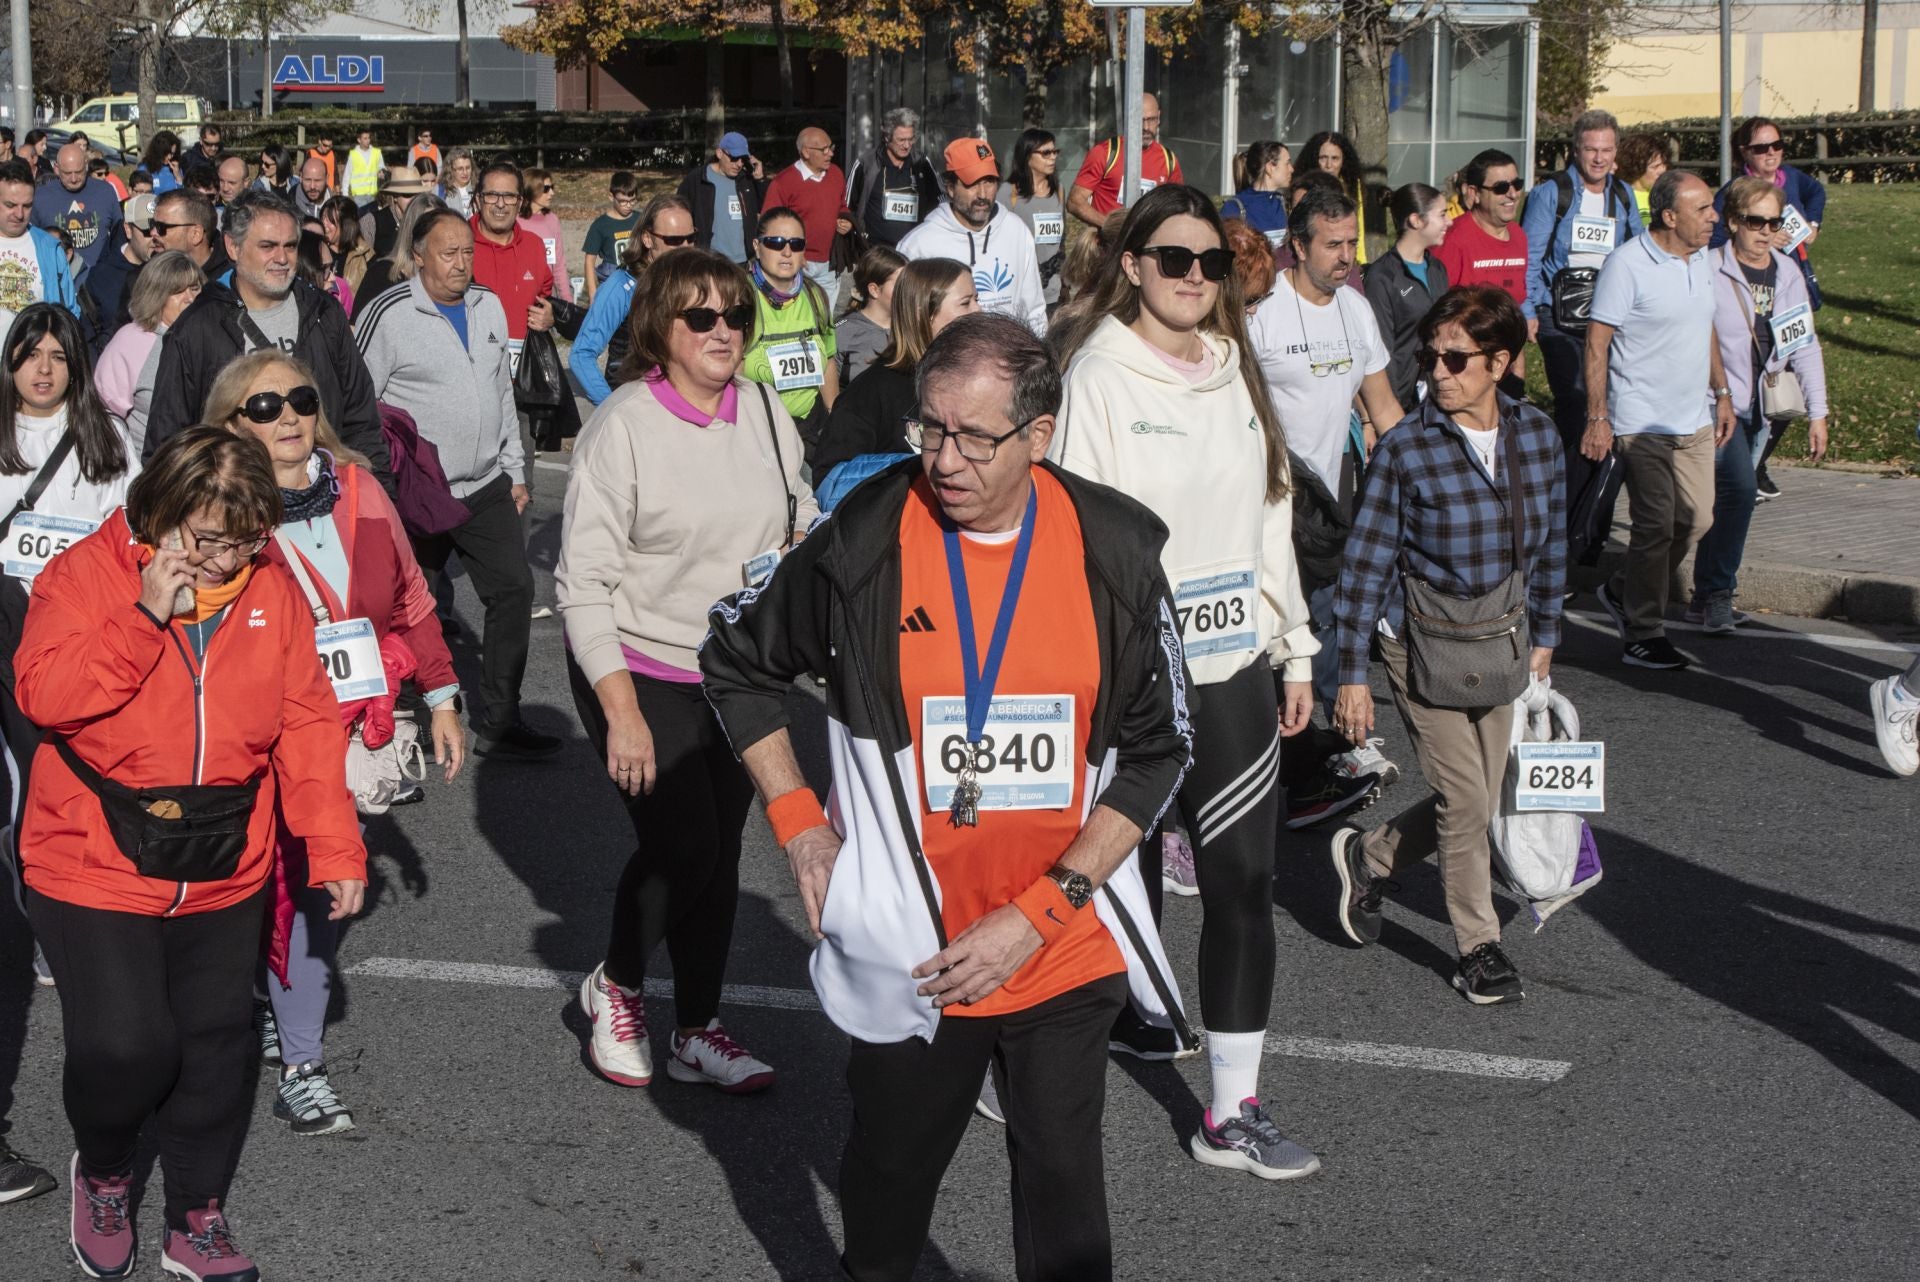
420	490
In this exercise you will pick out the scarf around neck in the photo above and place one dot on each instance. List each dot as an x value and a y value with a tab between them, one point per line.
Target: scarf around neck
768	288
317	500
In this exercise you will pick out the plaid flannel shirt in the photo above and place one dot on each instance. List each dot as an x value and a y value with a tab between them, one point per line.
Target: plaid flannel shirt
1427	496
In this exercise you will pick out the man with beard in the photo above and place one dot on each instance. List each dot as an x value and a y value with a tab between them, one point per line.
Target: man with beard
974	229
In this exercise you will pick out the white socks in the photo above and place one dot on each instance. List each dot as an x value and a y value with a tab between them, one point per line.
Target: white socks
1235	1061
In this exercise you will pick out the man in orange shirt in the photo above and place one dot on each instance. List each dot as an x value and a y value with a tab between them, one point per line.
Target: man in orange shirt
1008	709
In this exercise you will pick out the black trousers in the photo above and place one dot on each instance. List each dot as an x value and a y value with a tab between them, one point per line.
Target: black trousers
1566	360
682	883
912	1102
157	1013
494	552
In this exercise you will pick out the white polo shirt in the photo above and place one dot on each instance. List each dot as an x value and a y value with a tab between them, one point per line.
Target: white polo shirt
1661	310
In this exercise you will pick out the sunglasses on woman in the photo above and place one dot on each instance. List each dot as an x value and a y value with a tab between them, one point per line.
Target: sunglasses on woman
265	407
777	243
1755	222
1456	362
1177	260
1762	148
701	320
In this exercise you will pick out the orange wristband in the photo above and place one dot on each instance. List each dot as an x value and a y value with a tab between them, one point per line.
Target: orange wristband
792	813
1046	906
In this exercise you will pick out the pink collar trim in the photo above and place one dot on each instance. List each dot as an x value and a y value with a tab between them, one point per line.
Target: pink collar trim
684	410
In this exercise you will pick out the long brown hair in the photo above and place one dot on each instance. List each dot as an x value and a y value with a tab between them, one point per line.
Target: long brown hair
1116	296
918	293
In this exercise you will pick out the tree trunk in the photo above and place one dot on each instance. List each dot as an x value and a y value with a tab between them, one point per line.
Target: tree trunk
148	71
783	55
1869	50
1033	107
463	64
266	65
1366	58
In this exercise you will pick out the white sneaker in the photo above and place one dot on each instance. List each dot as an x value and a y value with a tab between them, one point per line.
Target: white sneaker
988	1104
712	1057
619	1048
1367	759
1894	712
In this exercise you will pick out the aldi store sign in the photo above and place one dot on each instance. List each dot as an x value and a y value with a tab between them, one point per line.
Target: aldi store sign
321	73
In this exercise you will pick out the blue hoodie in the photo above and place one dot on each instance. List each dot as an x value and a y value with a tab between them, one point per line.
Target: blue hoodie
56	278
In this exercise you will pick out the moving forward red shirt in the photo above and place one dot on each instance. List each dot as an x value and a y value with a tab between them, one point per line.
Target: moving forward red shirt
1472	257
517	271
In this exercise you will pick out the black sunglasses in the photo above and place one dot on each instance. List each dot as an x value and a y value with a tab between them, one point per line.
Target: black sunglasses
1456	362
1755	222
1504	186
777	243
159	228
672	242
265	407
701	320
1177	260
1759	148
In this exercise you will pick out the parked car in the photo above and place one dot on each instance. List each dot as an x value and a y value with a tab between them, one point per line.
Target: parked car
58	138
114	119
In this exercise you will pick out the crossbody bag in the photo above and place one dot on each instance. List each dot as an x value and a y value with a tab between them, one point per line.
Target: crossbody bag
1782	399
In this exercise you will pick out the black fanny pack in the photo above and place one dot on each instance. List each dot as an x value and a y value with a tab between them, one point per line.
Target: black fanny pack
1572	292
195	832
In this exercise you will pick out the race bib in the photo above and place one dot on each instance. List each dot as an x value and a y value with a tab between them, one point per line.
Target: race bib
1049	229
1148	184
1594	235
350	656
796	365
553	250
901	207
1794	223
36	538
1216	612
513	356
1792	331
1561	776
733	208
1024	760
760	568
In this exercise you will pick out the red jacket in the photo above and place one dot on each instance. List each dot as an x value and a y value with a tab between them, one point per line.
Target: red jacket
92	665
517	271
820	202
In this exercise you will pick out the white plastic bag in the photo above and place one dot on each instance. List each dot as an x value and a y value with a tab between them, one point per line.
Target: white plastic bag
1547	858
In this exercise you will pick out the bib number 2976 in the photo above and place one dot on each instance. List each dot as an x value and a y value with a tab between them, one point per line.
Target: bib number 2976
795	365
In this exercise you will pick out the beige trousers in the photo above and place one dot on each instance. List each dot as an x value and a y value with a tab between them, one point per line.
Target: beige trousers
1670	506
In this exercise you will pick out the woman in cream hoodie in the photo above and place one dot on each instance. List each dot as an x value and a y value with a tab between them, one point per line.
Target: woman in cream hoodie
1165	403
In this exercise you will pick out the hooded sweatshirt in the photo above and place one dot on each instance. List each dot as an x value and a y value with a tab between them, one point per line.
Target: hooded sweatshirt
1194	454
1006	271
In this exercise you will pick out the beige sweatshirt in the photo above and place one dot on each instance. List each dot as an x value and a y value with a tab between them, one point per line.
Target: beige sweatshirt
662	517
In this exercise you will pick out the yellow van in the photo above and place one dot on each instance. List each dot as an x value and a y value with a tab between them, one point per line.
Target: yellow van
114	119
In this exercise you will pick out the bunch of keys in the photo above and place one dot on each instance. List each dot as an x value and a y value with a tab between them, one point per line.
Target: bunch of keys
964	809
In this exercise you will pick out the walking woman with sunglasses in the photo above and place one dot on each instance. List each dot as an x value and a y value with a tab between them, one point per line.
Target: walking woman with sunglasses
160	656
793	345
537	217
1165	402
685	488
666	223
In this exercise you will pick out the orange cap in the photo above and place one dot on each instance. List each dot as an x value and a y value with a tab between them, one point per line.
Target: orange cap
970	160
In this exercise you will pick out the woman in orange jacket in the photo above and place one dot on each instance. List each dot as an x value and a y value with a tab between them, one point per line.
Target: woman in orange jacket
179	687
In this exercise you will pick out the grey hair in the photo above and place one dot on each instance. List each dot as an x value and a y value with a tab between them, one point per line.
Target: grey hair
1592	122
897	118
400	258
164	276
988	341
1666	191
249	205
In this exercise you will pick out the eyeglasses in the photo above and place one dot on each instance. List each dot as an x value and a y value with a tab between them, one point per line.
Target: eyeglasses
500	197
265	407
1504	186
778	243
1456	362
1320	369
1762	148
701	320
546	186
1754	222
1177	260
624	197
213	549
1047	151
931	438
672	242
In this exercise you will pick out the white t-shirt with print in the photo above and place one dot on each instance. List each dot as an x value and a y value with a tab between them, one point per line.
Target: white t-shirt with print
1290	336
20	283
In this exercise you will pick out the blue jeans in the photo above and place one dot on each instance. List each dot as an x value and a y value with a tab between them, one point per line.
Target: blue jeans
1326	663
1716	562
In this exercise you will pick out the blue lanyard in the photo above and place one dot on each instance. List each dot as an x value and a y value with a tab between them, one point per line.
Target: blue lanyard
979	681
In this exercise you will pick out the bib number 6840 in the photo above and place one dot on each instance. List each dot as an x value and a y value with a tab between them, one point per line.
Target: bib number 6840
1019	755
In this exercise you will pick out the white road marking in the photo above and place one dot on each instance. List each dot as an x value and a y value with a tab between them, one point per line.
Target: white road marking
553	467
1376	1054
1602	623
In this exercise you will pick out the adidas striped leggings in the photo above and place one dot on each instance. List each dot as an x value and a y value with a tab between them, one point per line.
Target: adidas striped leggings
1230	804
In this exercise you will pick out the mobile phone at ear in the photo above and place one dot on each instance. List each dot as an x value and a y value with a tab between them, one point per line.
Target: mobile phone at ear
183	596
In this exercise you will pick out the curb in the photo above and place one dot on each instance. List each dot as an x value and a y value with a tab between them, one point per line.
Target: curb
1799	590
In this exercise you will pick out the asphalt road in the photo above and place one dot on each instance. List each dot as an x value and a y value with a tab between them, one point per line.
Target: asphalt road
1714	1074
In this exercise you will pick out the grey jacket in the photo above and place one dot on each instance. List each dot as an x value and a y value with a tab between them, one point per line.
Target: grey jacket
462	400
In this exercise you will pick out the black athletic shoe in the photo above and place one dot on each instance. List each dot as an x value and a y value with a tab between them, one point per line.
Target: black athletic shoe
1764	487
1329	794
411	797
1485	977
517	741
1360	888
1654	652
1134	1036
21	1179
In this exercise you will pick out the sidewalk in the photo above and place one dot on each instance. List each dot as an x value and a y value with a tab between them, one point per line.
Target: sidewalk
1833	545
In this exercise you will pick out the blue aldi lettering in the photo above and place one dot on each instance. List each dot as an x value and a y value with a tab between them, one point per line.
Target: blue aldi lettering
349	73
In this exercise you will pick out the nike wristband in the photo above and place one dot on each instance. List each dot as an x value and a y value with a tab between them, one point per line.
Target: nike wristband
792	813
1047	907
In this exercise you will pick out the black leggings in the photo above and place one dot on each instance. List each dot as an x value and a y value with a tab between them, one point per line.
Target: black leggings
683	881
1230	806
157	1014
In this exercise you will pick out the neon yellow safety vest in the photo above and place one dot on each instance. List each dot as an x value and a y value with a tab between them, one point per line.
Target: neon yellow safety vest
363	172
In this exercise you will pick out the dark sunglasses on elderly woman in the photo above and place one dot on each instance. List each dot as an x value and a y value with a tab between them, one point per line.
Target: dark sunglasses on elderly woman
701	320
1758	222
1456	362
264	407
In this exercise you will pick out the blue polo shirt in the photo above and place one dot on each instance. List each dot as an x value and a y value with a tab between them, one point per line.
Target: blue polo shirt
1661	310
